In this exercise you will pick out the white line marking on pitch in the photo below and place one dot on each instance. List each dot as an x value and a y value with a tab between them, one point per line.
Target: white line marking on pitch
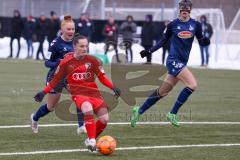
125	123
122	148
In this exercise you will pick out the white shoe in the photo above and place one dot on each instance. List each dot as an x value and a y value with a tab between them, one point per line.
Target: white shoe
91	145
81	130
34	124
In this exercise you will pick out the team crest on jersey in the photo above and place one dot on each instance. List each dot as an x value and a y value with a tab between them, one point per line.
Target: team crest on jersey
191	28
185	34
88	65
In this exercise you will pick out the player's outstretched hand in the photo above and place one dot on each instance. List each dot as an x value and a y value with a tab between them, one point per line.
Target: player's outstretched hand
39	96
117	92
144	53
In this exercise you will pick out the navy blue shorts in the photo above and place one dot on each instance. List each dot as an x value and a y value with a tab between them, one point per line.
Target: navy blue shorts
174	67
62	84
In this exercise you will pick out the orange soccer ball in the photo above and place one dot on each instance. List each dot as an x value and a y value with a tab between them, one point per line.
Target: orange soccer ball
106	145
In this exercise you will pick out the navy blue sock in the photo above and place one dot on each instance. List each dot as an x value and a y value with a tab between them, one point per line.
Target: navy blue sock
80	118
151	100
182	98
42	111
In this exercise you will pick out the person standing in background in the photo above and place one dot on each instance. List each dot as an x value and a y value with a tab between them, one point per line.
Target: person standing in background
147	36
207	32
110	32
53	27
16	31
127	29
28	34
84	26
41	29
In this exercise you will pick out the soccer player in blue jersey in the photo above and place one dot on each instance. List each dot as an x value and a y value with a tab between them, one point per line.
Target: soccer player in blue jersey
58	48
180	32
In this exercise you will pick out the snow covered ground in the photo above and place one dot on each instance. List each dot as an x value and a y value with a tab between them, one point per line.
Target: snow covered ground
228	55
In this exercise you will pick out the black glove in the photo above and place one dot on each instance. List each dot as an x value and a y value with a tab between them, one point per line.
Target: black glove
144	53
117	92
39	96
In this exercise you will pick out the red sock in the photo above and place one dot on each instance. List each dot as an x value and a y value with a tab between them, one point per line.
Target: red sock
90	126
100	127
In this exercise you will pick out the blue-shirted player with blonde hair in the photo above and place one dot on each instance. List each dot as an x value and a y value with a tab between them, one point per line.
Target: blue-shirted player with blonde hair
181	33
58	48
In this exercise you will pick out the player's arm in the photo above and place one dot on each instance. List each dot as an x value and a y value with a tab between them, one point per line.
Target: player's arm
52	62
160	43
106	82
98	69
210	30
59	75
203	41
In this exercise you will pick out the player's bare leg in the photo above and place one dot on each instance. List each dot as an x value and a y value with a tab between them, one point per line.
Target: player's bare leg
52	101
188	78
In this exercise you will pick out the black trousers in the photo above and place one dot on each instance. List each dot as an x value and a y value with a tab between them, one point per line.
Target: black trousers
11	46
40	50
149	56
114	44
128	50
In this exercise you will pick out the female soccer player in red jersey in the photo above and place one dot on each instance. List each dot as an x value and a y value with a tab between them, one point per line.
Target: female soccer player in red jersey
80	70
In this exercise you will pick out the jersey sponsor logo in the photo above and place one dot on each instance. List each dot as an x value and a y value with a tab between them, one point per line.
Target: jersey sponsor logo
81	76
185	34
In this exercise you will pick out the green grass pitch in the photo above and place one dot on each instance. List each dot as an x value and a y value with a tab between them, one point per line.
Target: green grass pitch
217	99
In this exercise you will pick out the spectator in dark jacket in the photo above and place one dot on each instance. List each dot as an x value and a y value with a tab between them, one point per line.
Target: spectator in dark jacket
41	29
207	32
29	33
147	36
16	31
110	32
53	27
84	26
127	29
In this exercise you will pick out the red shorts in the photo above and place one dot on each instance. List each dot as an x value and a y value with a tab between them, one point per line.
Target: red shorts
97	103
